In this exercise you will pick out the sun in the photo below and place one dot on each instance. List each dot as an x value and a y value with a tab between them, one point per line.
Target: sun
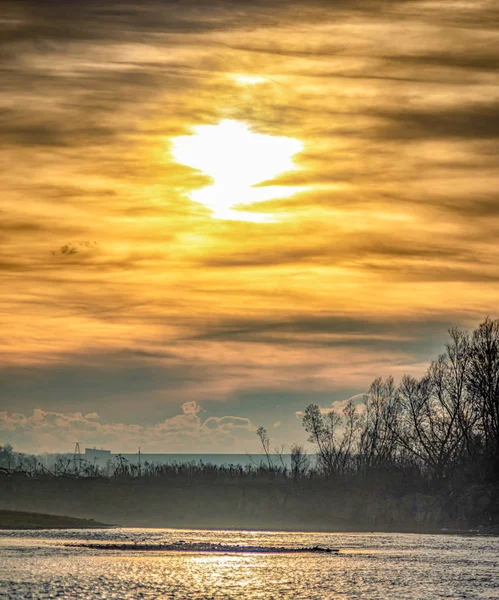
248	79
237	159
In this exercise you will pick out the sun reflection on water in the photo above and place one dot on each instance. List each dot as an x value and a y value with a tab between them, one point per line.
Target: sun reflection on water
389	566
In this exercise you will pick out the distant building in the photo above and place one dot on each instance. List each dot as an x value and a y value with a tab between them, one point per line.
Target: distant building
94	454
101	457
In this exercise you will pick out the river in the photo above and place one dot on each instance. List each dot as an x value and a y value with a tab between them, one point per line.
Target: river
368	566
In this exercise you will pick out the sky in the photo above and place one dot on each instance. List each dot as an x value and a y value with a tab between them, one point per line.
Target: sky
214	213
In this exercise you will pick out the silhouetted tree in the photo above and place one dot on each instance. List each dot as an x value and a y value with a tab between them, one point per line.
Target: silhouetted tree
7	458
483	384
333	436
261	432
378	439
299	461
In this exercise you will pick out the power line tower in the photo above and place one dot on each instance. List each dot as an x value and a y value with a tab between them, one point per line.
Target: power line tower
77	458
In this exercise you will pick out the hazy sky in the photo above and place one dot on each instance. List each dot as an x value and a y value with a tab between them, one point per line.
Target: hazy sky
134	312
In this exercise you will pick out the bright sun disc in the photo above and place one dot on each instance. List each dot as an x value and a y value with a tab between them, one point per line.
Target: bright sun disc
237	159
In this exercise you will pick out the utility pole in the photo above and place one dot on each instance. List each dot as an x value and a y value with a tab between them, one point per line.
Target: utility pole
77	458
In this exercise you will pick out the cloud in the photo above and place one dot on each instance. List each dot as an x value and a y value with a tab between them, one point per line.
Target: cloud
324	410
48	431
357	400
483	59
394	241
191	408
475	121
339	406
330	330
92	416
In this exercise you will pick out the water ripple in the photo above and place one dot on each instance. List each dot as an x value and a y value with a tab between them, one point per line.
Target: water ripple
41	565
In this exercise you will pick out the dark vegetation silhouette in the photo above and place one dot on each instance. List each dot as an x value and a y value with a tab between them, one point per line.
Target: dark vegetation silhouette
422	455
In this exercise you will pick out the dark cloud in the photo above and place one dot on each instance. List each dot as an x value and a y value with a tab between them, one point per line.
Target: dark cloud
475	61
428	273
368	332
24	231
476	121
463	15
55	20
477	207
342	250
94	20
479	211
96	381
13	227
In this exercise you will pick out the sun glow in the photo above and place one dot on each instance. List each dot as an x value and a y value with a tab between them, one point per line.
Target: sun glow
248	79
238	160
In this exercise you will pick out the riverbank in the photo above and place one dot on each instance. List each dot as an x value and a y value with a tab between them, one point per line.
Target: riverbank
13	519
312	505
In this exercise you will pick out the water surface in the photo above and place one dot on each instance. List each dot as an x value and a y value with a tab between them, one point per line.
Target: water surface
369	566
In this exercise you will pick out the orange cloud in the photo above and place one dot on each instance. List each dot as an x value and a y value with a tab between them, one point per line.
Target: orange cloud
112	272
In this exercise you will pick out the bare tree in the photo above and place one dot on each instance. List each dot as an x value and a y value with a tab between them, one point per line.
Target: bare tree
261	432
333	435
458	359
412	433
378	440
7	456
483	382
350	440
279	451
299	461
429	427
322	433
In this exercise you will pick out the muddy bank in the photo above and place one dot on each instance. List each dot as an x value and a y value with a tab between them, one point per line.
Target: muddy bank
13	519
182	546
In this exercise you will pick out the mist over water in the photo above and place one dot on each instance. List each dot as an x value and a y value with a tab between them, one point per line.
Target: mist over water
369	566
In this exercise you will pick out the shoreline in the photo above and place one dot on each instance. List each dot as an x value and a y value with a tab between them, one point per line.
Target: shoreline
32	521
11	520
315	530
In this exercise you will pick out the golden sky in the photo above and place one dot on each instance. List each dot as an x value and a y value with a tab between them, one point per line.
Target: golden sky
248	205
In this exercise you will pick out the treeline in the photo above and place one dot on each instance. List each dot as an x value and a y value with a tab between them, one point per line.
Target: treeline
16	464
439	428
442	426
